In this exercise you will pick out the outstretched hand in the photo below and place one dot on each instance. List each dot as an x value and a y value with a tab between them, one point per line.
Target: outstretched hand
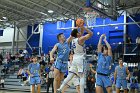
104	38
103	35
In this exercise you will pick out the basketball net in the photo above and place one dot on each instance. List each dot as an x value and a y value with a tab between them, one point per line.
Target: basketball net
90	16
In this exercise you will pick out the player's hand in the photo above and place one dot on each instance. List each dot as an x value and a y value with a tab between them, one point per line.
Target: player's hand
52	60
104	38
127	78
103	35
90	65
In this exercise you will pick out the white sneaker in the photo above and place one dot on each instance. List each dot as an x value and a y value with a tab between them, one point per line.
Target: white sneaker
58	91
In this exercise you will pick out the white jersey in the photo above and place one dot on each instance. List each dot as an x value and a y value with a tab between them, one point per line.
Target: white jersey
78	49
69	65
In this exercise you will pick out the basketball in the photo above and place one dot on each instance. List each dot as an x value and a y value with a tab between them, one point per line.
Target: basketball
79	22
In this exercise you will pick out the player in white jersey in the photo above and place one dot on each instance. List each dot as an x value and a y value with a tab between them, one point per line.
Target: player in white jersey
75	80
78	58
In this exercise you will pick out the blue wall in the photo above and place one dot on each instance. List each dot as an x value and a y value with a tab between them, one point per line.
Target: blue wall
34	40
133	30
50	35
50	32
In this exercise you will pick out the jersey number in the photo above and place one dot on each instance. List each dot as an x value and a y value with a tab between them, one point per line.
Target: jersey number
74	46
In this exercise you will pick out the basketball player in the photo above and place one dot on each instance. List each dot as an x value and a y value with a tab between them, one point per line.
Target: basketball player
78	58
75	79
35	75
103	66
121	76
60	65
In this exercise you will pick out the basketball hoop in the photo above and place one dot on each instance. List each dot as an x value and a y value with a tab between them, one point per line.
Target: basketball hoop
91	18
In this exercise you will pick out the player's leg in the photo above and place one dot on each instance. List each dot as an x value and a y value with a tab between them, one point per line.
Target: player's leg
124	85
32	82
66	80
78	88
109	89
38	88
38	82
82	82
56	79
118	86
99	84
76	82
33	88
99	89
107	83
65	88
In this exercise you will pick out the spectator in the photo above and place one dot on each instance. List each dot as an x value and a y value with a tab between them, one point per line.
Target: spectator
20	73
138	44
134	86
128	40
8	57
1	59
26	77
2	82
5	70
34	52
50	78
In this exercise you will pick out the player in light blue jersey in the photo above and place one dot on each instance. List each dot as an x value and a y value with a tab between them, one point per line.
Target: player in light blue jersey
60	65
103	66
35	75
121	76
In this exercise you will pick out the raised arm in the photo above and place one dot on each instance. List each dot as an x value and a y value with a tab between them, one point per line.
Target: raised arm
89	34
99	47
52	52
108	46
69	39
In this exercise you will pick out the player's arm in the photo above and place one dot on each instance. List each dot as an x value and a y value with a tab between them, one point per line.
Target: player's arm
52	52
99	47
47	78
128	73
115	75
108	46
69	39
81	30
89	34
29	73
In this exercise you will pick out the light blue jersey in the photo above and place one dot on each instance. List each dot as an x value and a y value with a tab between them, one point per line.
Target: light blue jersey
63	51
121	77
121	72
103	71
61	62
34	69
104	63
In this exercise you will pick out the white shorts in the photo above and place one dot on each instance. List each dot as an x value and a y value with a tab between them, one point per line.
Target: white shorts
77	64
74	81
